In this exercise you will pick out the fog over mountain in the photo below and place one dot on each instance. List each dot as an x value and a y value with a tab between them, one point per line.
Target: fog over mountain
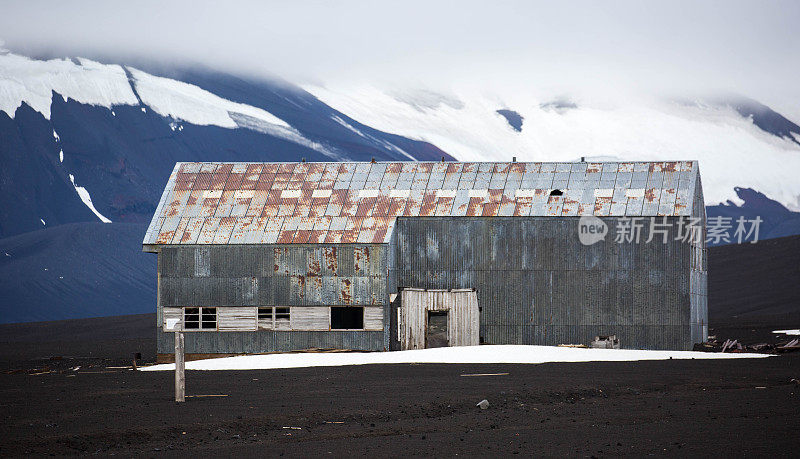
505	47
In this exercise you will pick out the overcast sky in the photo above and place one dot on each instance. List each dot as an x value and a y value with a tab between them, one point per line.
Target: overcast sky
751	48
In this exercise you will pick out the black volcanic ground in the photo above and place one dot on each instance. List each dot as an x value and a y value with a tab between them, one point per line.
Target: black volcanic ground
686	408
754	288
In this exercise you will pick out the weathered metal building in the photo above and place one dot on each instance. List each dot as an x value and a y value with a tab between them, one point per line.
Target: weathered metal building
261	257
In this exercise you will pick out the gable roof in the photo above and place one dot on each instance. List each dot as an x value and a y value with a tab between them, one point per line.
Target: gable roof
268	203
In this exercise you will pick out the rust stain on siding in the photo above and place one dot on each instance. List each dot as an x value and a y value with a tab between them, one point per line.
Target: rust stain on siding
331	262
361	258
346	291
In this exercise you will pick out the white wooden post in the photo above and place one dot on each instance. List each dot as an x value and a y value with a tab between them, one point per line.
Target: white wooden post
180	368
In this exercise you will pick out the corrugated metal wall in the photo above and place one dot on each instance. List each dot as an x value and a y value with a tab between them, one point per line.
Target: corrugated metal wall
698	281
537	284
273	275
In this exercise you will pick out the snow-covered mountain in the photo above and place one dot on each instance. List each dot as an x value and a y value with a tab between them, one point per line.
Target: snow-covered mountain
84	142
739	142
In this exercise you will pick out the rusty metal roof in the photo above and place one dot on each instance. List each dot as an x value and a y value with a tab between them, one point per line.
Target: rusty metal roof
268	203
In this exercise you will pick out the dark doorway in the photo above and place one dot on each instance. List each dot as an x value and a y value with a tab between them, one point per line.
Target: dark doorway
436	332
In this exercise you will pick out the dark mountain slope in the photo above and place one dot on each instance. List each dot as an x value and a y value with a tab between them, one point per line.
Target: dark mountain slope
76	270
777	220
764	117
754	279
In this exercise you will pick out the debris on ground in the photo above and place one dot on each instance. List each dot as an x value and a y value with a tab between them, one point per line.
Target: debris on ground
792	345
605	342
483	404
735	346
731	345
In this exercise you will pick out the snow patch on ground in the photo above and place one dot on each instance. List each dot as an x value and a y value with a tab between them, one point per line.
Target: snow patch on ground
34	81
465	354
795	332
732	151
84	195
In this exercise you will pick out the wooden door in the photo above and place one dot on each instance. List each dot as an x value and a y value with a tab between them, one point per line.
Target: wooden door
436	330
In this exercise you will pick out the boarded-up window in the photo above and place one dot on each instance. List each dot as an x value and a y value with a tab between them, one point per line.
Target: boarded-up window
347	318
373	318
236	319
310	318
200	318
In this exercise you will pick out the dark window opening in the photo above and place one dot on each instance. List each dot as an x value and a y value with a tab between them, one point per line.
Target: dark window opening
200	318
191	318
281	313
347	318
209	318
556	192
265	314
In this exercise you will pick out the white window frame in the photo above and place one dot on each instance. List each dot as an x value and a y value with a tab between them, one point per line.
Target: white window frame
201	311
273	321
